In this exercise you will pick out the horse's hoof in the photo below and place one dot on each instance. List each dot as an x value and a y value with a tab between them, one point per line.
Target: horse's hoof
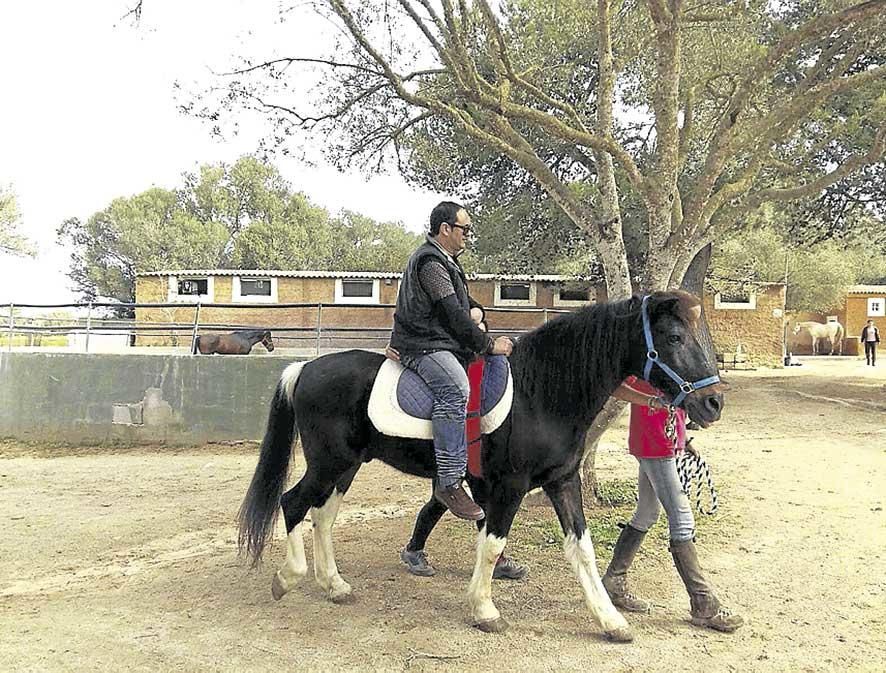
622	635
493	626
347	598
278	589
341	594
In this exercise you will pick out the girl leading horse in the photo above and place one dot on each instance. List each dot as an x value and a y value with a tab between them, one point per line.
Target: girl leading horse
564	371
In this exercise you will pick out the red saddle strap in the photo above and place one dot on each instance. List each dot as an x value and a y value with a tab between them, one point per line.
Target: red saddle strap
472	426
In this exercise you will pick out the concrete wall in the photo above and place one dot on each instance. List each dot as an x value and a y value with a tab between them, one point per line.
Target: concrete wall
73	398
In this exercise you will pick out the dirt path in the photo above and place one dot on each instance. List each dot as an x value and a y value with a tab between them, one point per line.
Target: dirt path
127	561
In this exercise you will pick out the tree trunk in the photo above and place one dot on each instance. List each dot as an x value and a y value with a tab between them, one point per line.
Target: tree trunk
604	419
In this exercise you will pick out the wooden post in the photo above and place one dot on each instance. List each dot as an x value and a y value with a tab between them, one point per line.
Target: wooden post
319	320
194	332
11	326
88	327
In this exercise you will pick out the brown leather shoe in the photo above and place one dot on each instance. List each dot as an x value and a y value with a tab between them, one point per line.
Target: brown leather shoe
459	502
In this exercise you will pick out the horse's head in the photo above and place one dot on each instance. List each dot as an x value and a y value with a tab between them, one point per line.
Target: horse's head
676	325
267	342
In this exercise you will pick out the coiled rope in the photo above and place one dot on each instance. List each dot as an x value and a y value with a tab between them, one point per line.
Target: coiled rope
692	468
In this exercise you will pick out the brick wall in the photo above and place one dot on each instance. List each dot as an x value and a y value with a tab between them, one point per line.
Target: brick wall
759	330
856	316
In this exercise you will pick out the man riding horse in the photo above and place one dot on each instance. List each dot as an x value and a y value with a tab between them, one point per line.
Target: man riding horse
435	336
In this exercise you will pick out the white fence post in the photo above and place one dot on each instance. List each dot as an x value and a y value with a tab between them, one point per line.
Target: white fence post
196	325
11	326
88	327
319	319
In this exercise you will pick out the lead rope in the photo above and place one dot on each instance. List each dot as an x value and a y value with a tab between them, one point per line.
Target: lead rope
691	467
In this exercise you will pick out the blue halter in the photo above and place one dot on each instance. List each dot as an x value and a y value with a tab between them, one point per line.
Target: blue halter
652	359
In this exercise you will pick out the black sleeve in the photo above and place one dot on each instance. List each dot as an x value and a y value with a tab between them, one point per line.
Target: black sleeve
463	328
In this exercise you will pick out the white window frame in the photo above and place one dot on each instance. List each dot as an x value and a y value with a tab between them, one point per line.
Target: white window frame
174	297
237	296
341	299
566	303
749	305
514	302
879	313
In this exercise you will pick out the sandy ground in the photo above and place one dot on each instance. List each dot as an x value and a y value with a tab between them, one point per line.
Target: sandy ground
126	560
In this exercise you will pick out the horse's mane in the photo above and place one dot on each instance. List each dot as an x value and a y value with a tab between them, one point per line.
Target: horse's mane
249	333
570	365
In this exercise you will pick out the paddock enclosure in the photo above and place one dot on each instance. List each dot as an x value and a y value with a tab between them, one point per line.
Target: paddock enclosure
124	558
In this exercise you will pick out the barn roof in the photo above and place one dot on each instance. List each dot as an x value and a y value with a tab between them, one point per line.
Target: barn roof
867	289
279	273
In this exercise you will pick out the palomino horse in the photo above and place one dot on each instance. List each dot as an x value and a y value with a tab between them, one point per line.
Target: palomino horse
833	331
564	371
235	343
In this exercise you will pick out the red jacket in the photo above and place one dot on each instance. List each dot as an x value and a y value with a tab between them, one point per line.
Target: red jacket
646	435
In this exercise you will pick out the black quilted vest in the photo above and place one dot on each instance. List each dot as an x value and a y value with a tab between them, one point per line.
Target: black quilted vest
418	325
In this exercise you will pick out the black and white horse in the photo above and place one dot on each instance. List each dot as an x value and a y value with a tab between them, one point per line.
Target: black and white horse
564	371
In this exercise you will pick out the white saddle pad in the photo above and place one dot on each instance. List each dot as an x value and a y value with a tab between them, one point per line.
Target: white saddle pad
390	419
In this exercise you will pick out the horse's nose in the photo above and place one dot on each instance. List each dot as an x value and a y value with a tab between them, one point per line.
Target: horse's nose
714	404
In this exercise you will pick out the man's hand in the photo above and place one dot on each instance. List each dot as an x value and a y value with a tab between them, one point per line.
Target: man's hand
392	354
502	346
691	450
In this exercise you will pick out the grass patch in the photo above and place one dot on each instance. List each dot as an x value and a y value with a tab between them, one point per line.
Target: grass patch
617	492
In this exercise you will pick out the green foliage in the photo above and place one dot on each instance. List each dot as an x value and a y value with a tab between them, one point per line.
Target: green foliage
11	241
242	216
817	274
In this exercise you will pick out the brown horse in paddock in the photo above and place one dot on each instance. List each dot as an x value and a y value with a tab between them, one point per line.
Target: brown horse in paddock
235	343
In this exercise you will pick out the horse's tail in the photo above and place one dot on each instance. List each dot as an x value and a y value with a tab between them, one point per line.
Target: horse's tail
840	334
196	348
260	507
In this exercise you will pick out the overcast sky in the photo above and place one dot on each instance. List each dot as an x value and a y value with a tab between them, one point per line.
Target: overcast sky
87	114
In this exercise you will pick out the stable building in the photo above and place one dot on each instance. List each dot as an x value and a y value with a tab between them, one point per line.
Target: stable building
357	307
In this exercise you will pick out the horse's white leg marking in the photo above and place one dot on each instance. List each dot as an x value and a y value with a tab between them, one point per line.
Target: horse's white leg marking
294	568
325	570
580	553
290	377
489	548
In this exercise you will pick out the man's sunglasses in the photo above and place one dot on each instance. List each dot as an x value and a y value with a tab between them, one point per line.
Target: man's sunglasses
467	230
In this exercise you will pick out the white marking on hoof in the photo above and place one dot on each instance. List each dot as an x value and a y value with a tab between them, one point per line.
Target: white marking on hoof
620	636
278	587
294	568
489	548
580	553
325	569
341	593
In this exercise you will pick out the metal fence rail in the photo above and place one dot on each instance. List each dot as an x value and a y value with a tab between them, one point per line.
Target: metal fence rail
96	323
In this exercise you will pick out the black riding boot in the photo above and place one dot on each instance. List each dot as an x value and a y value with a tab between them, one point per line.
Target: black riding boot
705	608
616	578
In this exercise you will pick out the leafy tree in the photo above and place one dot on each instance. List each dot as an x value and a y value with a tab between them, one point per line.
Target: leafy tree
663	123
298	236
721	109
362	244
241	216
817	275
149	231
11	241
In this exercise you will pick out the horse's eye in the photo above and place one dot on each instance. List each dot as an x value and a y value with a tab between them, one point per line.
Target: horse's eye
675	339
